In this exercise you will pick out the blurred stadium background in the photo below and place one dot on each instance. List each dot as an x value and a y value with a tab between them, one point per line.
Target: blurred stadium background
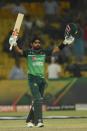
68	92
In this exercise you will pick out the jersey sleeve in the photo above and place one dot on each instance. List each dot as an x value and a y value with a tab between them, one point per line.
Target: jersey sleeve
25	52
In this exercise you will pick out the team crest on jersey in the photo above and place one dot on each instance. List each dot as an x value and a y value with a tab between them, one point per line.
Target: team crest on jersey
33	58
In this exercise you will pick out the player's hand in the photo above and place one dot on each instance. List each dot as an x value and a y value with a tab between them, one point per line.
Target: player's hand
12	41
68	40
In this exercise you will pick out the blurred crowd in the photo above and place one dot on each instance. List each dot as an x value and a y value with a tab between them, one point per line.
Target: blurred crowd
50	26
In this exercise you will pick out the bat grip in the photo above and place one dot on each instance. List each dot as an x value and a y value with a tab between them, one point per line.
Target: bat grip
10	47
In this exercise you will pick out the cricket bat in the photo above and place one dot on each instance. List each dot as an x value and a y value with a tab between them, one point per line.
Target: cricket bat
17	26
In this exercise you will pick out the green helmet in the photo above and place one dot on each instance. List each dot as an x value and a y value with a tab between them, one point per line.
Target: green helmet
71	29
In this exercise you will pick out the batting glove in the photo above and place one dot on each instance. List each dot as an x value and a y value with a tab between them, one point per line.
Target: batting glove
12	41
68	40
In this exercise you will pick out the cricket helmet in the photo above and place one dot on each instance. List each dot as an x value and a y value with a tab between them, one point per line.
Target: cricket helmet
71	29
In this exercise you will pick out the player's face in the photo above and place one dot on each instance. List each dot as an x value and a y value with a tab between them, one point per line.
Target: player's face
36	44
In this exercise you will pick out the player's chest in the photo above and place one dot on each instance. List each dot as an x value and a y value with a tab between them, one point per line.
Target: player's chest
36	58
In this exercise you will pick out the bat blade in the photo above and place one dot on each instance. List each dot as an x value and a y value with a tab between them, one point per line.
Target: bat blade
18	22
17	26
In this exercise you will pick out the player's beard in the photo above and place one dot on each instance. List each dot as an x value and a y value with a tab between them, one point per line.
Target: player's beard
37	47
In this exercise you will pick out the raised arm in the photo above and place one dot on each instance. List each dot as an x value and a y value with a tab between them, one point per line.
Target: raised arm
67	41
17	49
71	31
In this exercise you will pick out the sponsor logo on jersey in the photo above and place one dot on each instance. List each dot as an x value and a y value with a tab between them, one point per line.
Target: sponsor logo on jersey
33	58
38	64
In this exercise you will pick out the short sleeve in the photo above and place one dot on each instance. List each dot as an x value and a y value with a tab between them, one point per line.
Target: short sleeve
25	52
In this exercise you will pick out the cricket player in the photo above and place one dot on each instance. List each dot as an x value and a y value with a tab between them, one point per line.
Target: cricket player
35	62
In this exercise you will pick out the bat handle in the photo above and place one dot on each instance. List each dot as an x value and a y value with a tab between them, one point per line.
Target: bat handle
10	47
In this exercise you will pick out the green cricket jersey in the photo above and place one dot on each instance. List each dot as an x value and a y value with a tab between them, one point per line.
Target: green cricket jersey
36	60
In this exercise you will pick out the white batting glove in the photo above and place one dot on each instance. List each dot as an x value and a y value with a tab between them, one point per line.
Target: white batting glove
68	40
12	41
